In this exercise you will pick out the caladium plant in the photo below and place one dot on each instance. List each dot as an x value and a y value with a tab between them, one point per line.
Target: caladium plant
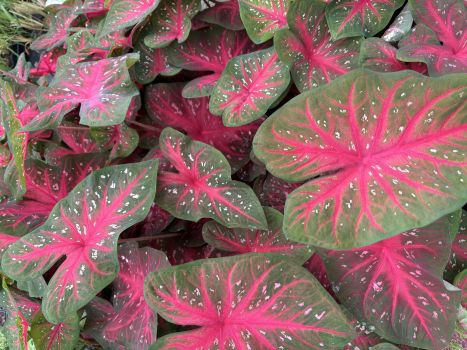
309	157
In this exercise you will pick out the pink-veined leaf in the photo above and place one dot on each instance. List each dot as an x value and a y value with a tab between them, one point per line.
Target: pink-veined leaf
447	53
248	86
241	241
17	140
167	107
49	336
94	7
224	13
390	148
208	50
98	313
171	21
378	55
396	285
47	64
307	47
20	73
19	311
84	227
103	89
135	324
262	18
347	18
200	185
121	140
152	62
126	13
249	301
400	27
58	30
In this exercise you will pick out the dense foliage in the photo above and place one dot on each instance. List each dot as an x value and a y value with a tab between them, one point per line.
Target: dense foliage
236	174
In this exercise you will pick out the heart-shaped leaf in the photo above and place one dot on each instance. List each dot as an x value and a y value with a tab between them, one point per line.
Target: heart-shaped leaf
126	13
262	18
134	324
208	50
84	227
243	241
251	301
308	49
171	21
347	18
103	89
167	107
200	185
384	173
249	85
447	20
396	286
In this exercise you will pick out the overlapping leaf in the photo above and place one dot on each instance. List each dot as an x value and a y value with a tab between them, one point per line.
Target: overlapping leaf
400	27
262	18
243	241
308	49
84	227
396	286
208	50
392	147
447	51
167	107
347	18
200	185
134	324
378	55
249	85
171	21
224	13
102	88
252	301
126	13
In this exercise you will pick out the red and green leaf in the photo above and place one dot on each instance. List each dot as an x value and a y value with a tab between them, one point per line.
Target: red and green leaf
167	107
380	56
262	18
252	301
134	324
224	13
307	47
84	228
208	50
103	89
171	21
243	241
152	62
396	285
447	53
199	185
49	336
58	30
389	148
249	85
126	13
347	18
18	312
